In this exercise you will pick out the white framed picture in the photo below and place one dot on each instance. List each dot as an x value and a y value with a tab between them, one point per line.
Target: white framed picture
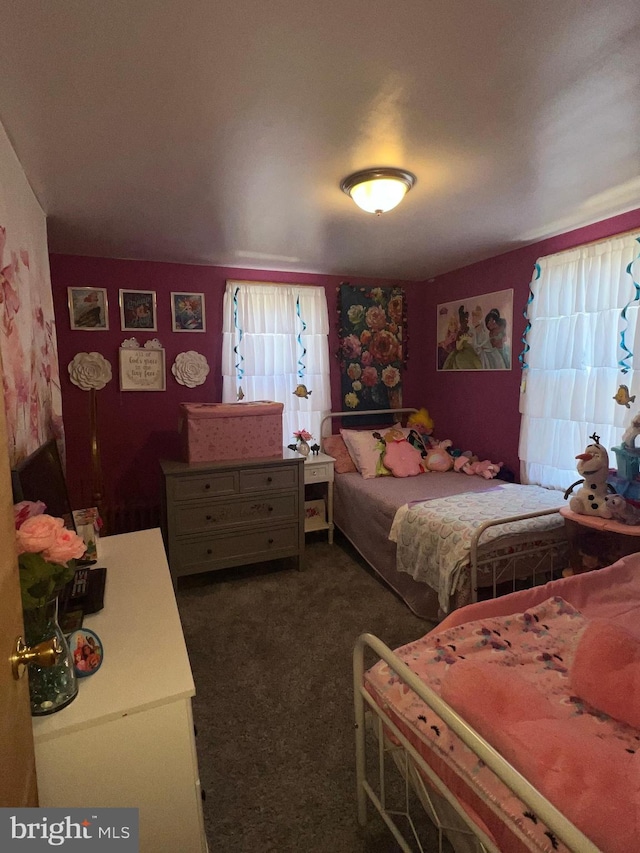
187	312
88	309
138	310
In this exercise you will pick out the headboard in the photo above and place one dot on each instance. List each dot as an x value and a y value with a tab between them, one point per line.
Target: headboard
392	414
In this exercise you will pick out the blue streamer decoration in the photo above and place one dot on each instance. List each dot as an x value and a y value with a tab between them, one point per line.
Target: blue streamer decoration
522	358
624	363
236	349
301	365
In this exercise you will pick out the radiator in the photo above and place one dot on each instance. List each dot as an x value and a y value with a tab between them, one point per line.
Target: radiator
127	517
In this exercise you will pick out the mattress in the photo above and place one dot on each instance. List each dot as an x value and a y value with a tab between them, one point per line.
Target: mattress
365	509
527	708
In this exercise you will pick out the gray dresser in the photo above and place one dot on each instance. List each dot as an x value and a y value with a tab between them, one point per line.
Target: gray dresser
222	514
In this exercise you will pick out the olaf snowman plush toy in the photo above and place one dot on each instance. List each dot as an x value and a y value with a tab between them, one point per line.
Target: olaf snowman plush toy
593	465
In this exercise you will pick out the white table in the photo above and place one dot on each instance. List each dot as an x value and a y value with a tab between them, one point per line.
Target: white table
319	469
127	739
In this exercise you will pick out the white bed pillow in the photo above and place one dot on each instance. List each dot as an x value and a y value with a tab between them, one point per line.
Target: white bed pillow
365	449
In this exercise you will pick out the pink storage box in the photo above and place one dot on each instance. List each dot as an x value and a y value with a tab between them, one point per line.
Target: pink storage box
215	432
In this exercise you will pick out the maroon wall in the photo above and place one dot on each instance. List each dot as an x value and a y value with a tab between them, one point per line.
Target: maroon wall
137	428
478	410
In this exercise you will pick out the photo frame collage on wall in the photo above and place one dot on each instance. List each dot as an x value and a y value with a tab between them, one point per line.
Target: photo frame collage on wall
88	310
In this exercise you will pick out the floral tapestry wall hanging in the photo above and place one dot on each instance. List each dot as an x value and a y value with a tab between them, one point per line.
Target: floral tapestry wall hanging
372	346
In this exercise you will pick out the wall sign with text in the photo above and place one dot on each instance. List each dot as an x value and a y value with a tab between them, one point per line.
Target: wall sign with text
142	369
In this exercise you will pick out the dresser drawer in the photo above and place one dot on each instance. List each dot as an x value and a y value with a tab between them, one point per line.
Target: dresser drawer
210	515
226	549
321	473
204	485
266	479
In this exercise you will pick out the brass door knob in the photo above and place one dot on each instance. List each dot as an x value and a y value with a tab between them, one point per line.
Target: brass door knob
45	653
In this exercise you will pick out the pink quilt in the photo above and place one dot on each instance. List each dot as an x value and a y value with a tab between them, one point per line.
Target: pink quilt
509	676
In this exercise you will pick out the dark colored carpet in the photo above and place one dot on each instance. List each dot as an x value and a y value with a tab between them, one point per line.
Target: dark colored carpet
270	649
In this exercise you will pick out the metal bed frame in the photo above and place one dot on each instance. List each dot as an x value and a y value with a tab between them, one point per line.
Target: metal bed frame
545	545
415	769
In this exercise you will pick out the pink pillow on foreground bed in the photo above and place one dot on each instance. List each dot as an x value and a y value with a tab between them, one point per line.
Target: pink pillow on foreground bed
334	445
606	671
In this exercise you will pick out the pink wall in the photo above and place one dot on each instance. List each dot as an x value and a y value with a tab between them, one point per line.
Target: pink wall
138	428
479	410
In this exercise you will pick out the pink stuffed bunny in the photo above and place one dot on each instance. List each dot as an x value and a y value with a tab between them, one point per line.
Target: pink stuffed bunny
485	469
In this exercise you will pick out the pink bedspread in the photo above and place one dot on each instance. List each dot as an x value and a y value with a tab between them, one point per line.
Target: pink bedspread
611	593
510	677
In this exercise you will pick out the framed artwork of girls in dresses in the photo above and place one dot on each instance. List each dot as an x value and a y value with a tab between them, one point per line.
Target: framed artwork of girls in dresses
475	333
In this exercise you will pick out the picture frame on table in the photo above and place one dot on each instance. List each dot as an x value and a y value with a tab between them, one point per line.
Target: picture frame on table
187	312
138	310
88	309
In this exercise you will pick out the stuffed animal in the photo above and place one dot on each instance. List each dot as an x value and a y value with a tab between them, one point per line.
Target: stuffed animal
402	459
420	426
622	511
437	458
590	499
421	421
485	469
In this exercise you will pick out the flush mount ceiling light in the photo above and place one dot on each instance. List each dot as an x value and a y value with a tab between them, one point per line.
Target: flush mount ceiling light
378	190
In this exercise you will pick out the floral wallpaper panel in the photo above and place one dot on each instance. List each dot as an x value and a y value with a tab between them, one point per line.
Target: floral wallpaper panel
372	346
28	348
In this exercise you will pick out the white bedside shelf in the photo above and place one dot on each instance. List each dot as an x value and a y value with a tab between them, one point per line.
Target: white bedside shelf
319	469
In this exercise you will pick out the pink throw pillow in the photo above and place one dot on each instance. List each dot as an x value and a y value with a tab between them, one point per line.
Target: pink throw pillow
334	445
403	459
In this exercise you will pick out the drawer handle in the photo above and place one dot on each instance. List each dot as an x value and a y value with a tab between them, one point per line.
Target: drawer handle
269	509
208	517
207	485
209	551
269	479
270	541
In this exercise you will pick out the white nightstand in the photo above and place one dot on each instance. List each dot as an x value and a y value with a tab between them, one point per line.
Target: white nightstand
319	469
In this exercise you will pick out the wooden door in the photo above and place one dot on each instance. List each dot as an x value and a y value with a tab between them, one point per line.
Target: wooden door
18	776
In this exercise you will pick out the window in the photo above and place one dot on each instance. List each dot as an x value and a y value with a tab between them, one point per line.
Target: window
275	338
583	300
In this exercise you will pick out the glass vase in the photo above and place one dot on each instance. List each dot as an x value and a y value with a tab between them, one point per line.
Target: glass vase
303	447
51	688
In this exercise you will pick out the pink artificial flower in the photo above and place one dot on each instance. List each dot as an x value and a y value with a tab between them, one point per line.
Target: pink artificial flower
37	533
26	509
67	546
303	435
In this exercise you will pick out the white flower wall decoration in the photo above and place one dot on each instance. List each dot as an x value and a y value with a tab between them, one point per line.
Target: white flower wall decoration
190	368
89	370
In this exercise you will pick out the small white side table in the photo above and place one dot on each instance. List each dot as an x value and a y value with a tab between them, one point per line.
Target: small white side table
319	469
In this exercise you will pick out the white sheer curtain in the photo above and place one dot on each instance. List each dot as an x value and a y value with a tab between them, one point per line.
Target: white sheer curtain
274	338
574	367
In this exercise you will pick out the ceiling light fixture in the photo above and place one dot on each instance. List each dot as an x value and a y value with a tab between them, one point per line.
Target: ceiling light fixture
378	190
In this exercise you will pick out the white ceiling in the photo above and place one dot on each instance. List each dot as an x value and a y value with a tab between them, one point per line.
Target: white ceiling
217	131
